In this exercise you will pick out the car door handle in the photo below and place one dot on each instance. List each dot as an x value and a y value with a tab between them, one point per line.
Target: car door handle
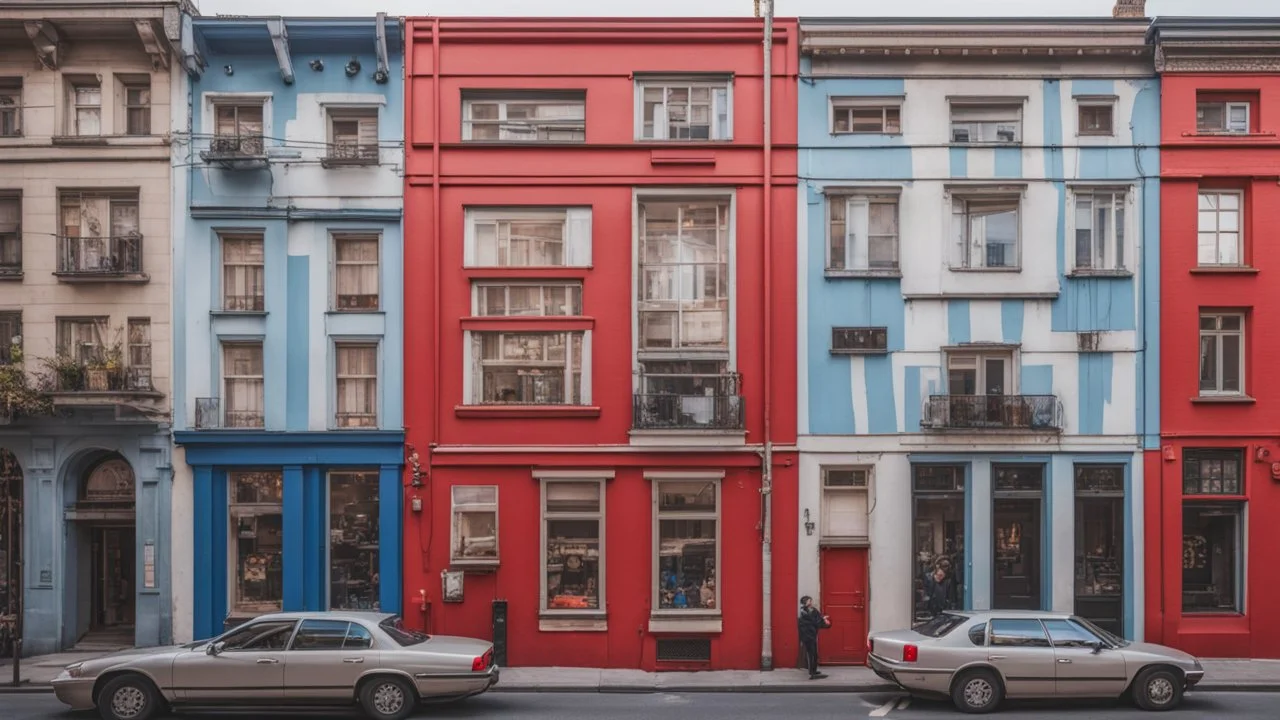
267	661
995	657
353	660
1064	661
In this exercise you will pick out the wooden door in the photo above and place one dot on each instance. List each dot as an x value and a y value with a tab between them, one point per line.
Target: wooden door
844	600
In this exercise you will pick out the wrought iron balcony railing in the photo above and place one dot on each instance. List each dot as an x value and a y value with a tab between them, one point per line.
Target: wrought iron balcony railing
209	416
992	412
348	153
99	257
236	151
94	379
717	405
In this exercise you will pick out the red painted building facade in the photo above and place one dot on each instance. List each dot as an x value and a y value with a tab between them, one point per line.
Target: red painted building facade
600	272
1213	490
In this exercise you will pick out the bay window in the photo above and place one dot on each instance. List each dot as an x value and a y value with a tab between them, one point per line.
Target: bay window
573	542
687	540
474	533
257	541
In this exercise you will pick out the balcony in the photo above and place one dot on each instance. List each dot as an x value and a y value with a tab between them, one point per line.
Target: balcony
91	385
100	259
209	416
717	406
1038	413
348	154
236	152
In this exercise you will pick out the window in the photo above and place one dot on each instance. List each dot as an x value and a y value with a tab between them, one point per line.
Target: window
859	340
243	384
356	272
688	544
986	231
358	638
1096	117
863	232
1099	225
257	540
1218	116
986	123
86	108
1100	531
10	107
942	625
529	237
549	116
353	135
354	540
938	540
10	234
1212	557
1212	472
320	635
404	637
527	368
684	109
1068	634
82	340
475	524
844	503
137	107
1222	354
269	635
881	116
138	360
980	373
99	233
243	268
357	385
573	533
978	634
1221	235
1018	633
238	129
10	334
527	299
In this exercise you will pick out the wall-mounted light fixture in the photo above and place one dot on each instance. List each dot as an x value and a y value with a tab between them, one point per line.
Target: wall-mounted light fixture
808	524
228	70
353	67
317	65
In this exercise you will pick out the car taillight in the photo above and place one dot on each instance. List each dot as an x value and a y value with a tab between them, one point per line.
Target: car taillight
482	663
871	644
910	653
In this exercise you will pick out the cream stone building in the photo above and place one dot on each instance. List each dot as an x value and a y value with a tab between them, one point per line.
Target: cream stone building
86	91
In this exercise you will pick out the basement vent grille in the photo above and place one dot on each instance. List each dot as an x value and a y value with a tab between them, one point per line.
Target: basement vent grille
859	340
1087	341
688	650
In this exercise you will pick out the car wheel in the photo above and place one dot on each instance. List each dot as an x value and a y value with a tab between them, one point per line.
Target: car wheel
977	691
128	697
1157	689
388	698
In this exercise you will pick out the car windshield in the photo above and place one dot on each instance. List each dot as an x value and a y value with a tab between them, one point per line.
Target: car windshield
1108	638
940	625
394	627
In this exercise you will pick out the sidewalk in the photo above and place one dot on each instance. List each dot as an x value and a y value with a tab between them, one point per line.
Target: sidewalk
1220	675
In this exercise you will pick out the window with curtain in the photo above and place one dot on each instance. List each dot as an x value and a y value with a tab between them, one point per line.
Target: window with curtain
357	380
356	272
243	385
243	273
10	234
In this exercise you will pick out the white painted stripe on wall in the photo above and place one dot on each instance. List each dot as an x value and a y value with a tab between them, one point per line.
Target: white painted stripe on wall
925	325
985	324
982	163
1120	414
858	381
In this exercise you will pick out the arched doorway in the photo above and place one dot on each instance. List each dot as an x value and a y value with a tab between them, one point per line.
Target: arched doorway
10	552
106	567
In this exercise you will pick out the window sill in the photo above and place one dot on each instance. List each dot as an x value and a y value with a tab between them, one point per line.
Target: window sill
526	411
1015	144
527	273
860	351
475	566
681	624
887	274
355	311
1102	273
865	133
530	323
847	542
1224	400
11	276
238	313
986	270
1224	270
1227	134
576	622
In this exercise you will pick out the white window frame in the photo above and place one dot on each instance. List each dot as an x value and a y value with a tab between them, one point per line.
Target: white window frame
1218	334
573	289
829	491
519	126
967	247
661	126
847	104
1217	232
225	404
599	516
1085	102
987	116
577	236
339	237
979	358
473	386
857	248
340	344
11	88
479	507
240	235
76	83
1228	127
1115	250
657	479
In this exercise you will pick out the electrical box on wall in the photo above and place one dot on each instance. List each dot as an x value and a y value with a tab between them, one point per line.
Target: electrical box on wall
451	585
500	632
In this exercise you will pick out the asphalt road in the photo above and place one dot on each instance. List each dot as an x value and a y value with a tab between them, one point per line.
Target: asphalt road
736	706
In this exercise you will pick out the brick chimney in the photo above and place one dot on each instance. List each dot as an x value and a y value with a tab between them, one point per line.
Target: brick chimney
1129	9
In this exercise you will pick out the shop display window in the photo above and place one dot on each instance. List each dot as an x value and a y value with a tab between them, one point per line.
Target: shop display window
353	540
688	545
257	540
1211	557
475	524
938	540
573	516
1099	542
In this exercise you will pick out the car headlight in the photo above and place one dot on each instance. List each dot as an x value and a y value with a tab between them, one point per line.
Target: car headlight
75	670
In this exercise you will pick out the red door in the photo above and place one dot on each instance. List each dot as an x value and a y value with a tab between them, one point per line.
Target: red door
844	600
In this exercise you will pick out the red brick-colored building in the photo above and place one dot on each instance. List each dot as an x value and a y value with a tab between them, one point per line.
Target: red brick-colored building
1213	490
600	272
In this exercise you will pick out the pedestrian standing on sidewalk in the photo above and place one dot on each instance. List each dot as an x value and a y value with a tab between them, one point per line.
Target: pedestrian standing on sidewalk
810	622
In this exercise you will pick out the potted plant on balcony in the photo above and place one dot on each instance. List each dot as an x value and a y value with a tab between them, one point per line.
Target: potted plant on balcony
17	397
65	372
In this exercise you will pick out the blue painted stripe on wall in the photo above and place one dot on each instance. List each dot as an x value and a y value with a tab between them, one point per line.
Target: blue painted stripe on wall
1094	303
202	531
878	372
1109	163
1095	390
297	396
389	521
1146	133
1008	163
1011	318
959	162
1086	86
912	403
1037	379
294	539
315	559
958	321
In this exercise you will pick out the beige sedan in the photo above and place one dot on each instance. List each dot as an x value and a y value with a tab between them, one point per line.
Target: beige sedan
979	658
289	659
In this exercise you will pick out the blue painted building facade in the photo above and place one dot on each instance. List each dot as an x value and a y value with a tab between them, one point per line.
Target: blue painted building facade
288	322
979	282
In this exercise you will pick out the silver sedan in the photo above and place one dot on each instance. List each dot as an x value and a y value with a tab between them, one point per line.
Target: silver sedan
295	659
979	658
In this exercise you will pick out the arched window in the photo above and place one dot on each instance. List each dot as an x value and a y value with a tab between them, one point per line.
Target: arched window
111	481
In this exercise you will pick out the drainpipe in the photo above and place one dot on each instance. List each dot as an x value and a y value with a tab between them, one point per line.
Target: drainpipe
434	435
766	474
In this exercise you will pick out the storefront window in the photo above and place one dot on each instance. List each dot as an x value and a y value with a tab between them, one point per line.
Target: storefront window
938	540
257	532
353	540
1100	531
573	513
688	537
1212	530
475	524
1017	494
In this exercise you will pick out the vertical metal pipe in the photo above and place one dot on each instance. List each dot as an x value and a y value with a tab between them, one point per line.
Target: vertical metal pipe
766	475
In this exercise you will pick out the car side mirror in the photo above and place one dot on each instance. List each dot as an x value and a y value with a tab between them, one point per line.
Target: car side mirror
214	648
1097	646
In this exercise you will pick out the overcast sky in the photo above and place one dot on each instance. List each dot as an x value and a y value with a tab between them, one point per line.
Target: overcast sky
790	8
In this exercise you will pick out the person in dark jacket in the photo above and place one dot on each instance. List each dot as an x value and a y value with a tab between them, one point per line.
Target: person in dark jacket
810	622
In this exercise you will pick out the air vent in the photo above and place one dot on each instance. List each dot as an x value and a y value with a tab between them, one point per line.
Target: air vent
684	650
858	340
1088	341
